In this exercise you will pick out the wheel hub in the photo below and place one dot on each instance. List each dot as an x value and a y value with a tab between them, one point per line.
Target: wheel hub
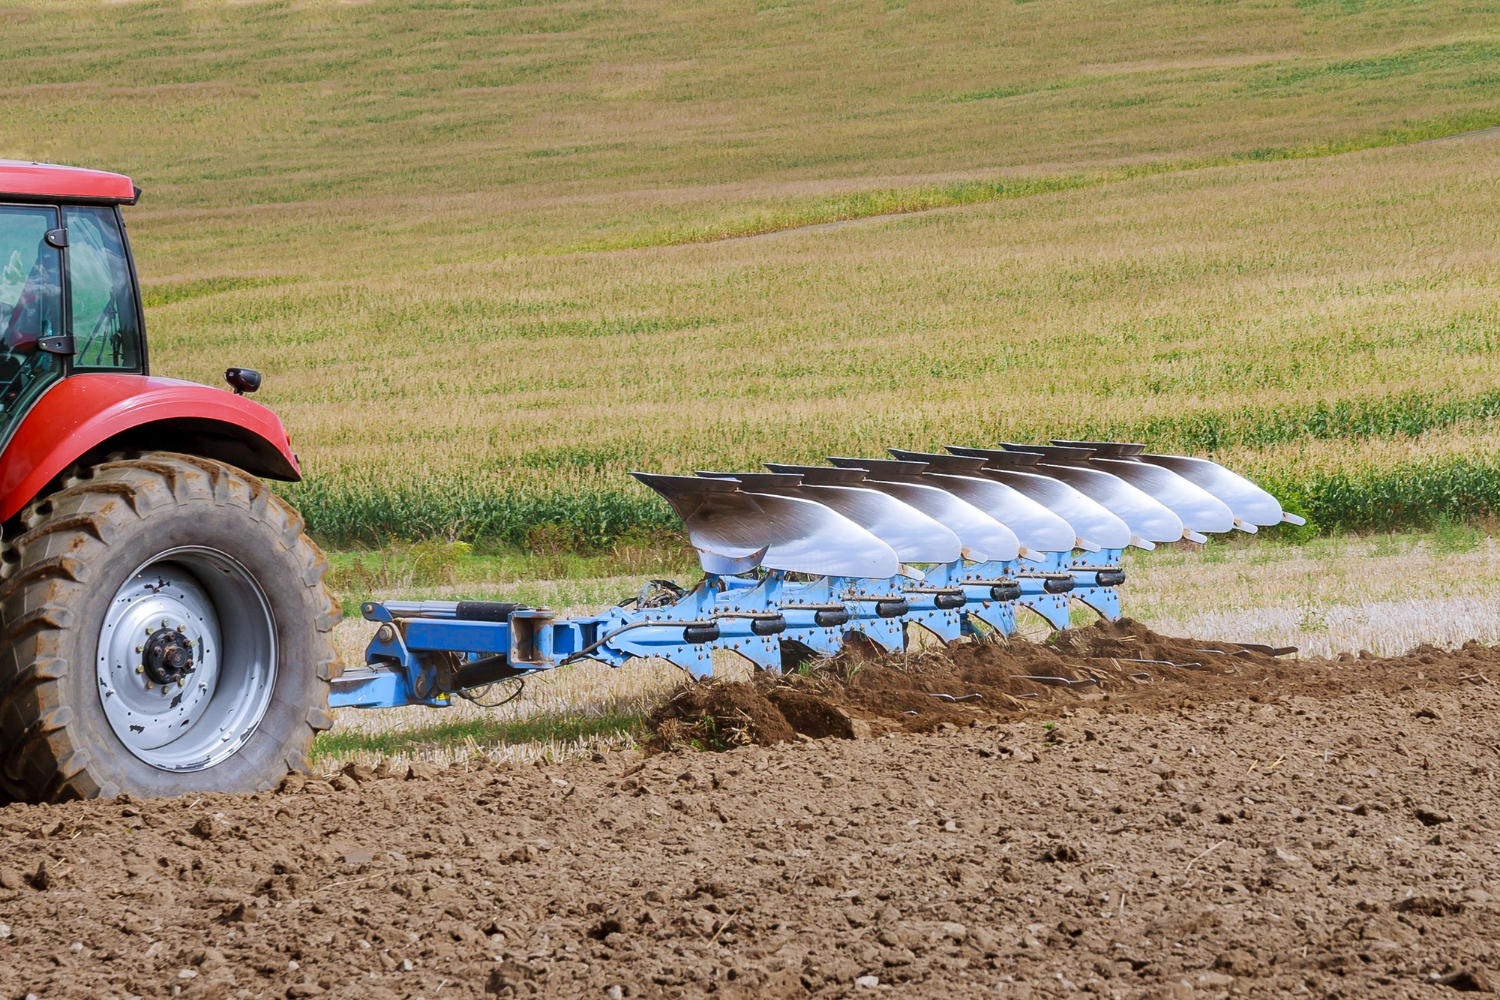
187	659
168	656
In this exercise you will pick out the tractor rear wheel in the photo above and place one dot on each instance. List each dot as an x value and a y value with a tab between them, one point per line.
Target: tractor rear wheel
164	630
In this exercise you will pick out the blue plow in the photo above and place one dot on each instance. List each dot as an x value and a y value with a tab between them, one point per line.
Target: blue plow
802	562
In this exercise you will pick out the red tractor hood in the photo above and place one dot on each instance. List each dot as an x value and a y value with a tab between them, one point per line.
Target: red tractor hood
85	414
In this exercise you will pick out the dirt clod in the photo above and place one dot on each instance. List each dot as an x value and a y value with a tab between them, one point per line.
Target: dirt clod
1062	854
1429	906
1431	817
1240	963
357	772
720	716
1473	980
811	715
209	827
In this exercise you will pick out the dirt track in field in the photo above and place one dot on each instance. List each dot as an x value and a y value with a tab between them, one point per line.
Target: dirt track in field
1248	827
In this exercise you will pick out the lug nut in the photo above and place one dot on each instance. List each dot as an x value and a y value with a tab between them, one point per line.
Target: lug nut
140	669
150	686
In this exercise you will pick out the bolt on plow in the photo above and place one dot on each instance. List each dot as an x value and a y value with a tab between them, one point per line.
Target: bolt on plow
802	562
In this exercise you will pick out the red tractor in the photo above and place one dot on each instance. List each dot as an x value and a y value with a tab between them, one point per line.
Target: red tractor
166	626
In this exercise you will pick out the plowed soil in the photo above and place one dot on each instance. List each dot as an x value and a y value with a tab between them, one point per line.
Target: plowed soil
1231	825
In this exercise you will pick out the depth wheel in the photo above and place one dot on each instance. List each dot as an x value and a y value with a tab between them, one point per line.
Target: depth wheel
166	631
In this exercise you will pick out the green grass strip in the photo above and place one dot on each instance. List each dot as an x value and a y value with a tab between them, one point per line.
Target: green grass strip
454	508
1407	414
1408	495
923	198
1420	494
486	732
161	293
343	511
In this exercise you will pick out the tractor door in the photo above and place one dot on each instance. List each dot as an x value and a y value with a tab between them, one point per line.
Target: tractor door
103	316
31	308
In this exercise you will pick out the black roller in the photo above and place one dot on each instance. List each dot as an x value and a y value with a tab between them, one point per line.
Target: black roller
485	611
1110	577
1057	584
1006	590
478	673
768	626
696	634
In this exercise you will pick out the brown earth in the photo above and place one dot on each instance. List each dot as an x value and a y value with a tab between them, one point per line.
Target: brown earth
1245	827
858	696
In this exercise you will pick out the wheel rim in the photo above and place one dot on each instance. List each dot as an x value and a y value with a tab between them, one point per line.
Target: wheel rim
187	659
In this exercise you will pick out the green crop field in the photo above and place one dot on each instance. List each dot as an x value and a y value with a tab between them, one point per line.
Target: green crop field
492	255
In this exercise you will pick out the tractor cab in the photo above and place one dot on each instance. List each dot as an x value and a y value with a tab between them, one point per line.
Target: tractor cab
68	292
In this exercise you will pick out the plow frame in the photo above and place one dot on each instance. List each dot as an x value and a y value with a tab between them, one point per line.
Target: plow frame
810	561
767	621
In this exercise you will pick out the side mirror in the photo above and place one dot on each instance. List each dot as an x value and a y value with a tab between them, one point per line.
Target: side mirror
242	380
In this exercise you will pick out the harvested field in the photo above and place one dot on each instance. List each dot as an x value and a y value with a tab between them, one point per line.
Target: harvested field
1250	826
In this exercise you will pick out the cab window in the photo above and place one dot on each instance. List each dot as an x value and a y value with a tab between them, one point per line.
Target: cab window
30	307
106	335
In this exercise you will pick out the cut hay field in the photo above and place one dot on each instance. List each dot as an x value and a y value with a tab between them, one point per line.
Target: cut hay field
493	255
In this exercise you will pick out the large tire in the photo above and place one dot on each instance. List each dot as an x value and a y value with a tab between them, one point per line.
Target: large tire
211	536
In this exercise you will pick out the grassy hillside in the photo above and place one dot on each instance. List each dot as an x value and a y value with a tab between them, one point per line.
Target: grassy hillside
492	255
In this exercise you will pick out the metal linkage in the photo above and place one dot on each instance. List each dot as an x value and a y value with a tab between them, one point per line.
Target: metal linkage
801	561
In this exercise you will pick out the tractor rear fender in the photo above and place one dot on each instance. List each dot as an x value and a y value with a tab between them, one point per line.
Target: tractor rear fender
86	417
